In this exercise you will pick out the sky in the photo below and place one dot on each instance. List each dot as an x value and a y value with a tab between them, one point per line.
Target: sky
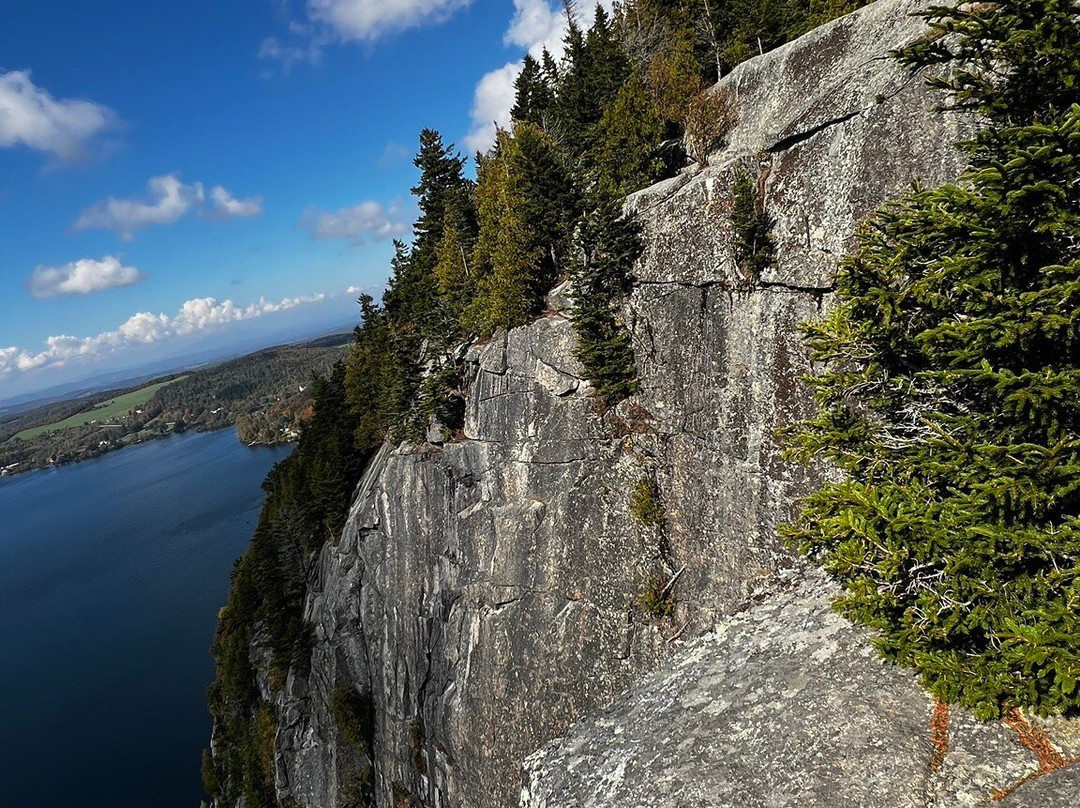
203	173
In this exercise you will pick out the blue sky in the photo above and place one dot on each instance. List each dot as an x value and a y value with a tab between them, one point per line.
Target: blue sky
172	172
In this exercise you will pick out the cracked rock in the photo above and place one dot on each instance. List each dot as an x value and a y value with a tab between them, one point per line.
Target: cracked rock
487	589
785	706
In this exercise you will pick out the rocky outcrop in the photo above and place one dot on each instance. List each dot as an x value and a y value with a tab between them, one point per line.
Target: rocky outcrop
786	706
486	591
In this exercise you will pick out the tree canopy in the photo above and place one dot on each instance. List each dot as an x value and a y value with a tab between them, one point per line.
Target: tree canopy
949	384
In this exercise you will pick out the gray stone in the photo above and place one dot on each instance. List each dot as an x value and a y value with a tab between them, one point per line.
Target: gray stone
1060	789
784	706
485	591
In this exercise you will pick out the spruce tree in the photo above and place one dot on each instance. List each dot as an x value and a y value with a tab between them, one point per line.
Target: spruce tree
594	68
442	185
542	194
369	377
949	385
628	145
608	244
527	205
533	94
443	193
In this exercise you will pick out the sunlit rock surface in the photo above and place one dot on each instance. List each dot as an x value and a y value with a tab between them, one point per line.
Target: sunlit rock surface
485	591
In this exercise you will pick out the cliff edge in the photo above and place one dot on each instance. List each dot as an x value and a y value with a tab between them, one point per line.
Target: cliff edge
490	592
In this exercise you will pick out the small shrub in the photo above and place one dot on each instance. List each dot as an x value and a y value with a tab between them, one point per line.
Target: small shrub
645	504
710	117
353	713
210	780
358	791
752	227
402	797
657	600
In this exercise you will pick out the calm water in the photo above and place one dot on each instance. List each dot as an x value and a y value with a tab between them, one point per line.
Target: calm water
111	574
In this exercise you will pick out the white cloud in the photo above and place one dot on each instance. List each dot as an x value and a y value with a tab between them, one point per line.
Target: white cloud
144	328
368	219
169	199
30	116
82	277
226	206
492	102
536	25
368	20
309	51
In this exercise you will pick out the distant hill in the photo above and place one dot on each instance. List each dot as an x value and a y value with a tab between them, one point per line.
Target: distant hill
266	395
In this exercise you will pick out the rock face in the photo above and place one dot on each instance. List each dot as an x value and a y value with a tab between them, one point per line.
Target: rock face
786	706
486	591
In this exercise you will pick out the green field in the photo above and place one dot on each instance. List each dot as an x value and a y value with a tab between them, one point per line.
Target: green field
106	410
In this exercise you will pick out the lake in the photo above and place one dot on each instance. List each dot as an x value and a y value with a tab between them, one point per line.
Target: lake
111	575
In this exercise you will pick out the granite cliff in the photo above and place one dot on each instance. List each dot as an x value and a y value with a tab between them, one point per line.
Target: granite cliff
486	593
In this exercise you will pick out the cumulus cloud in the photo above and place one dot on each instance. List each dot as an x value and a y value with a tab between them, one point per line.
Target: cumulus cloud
492	102
30	116
357	223
327	21
82	277
536	25
226	206
168	200
367	20
143	328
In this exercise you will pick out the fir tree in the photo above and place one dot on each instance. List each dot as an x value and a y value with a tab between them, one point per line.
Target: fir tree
950	386
369	377
533	93
594	68
628	148
542	195
452	274
442	186
527	206
443	192
609	243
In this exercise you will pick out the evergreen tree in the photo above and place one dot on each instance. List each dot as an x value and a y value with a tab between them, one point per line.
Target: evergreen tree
609	243
370	380
412	300
442	186
549	70
594	68
542	195
452	273
628	149
527	207
533	93
950	395
506	298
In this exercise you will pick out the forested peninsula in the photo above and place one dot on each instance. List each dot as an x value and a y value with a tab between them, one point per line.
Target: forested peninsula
266	396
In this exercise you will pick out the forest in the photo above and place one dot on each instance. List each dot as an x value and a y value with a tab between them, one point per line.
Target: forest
266	395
